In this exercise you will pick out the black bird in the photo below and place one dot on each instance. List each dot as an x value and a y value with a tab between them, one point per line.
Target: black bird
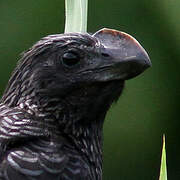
53	109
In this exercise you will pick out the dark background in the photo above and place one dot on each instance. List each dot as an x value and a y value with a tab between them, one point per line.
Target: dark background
150	104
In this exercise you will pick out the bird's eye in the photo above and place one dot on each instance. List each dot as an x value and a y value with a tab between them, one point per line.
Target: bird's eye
70	58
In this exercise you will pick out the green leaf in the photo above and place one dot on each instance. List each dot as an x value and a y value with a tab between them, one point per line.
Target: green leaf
76	16
163	171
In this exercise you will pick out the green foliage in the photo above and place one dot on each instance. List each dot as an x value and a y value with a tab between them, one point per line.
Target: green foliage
163	171
76	15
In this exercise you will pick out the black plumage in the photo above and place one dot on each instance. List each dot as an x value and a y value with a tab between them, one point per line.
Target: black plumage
53	109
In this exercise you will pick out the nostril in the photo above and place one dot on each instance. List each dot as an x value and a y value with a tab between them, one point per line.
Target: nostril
105	55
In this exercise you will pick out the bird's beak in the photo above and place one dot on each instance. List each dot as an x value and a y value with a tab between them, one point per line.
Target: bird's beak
123	57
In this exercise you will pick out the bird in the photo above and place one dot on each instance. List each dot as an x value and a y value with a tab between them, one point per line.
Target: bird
53	108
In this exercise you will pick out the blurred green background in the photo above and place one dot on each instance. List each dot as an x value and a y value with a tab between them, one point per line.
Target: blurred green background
149	105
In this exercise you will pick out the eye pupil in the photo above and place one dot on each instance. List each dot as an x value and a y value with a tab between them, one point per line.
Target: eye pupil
70	58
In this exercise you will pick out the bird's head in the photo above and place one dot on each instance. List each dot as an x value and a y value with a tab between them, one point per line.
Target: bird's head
77	69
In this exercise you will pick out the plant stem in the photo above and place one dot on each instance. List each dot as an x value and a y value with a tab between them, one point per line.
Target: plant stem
163	170
76	16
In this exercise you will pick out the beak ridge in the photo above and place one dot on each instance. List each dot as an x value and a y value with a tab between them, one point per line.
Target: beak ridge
124	51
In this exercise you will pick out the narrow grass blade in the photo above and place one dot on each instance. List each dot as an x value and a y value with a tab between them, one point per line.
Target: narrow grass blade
163	170
76	15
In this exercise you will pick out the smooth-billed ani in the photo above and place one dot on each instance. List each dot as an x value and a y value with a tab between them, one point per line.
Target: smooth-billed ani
53	109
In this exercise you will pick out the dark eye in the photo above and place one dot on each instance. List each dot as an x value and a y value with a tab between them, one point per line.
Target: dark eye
70	58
